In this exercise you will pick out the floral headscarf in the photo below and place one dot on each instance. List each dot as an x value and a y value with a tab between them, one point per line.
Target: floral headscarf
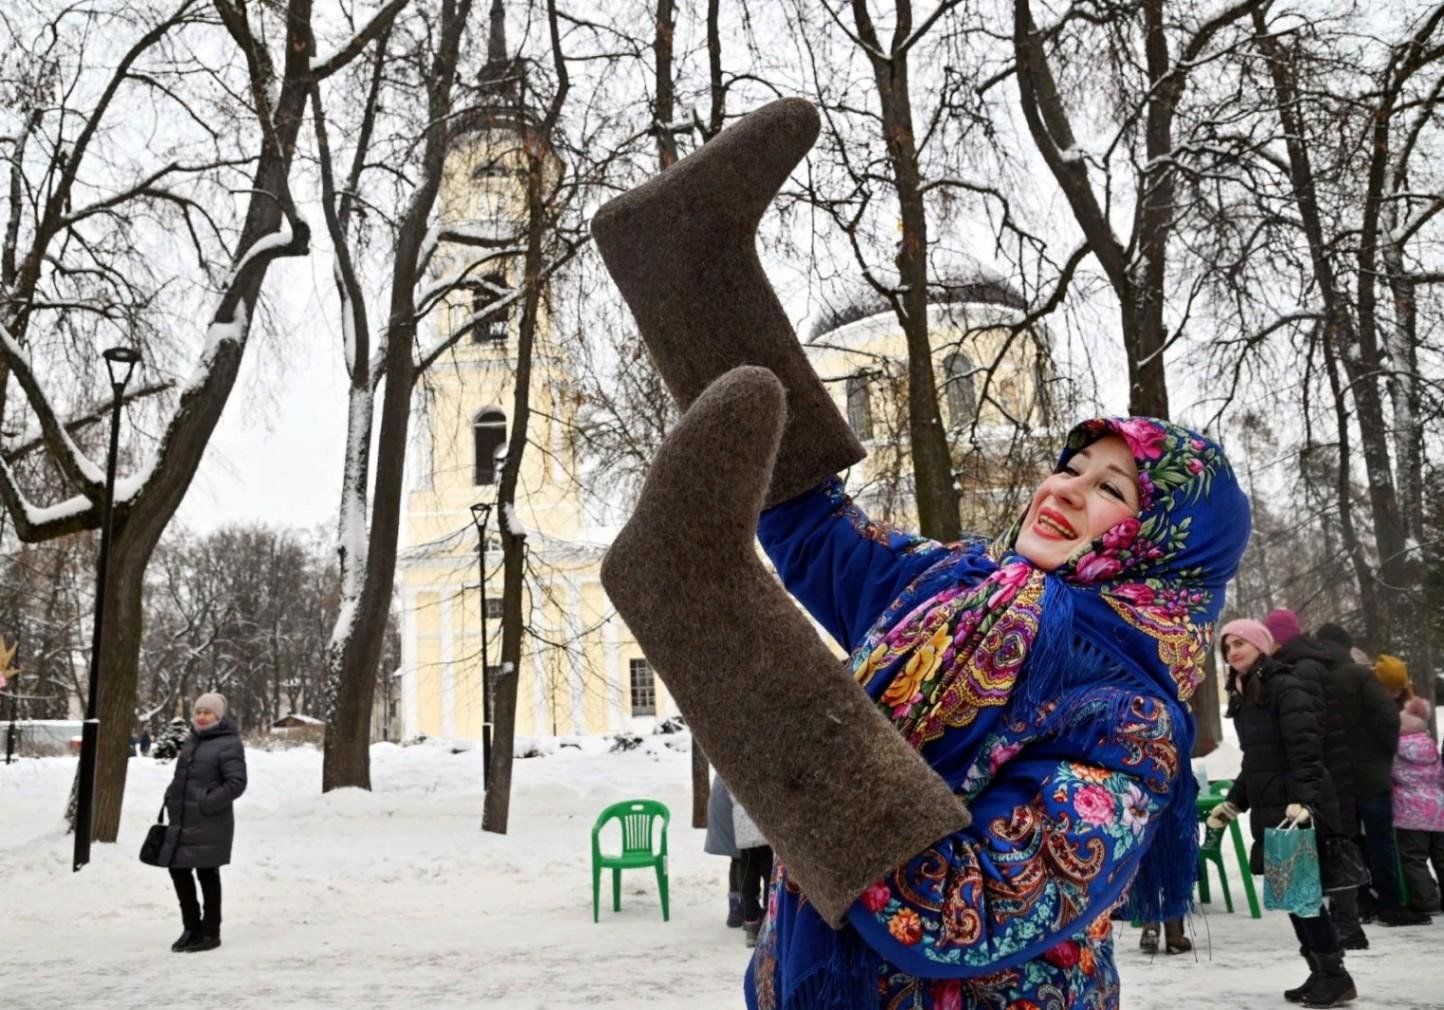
1145	594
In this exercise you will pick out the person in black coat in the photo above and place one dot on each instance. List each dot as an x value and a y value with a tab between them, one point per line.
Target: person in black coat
1373	736
210	774
1347	738
1279	716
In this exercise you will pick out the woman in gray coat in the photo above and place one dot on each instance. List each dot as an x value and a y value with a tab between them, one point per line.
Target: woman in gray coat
210	773
719	842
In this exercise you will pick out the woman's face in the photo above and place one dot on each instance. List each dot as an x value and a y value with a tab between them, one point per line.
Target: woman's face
1238	654
204	717
1090	494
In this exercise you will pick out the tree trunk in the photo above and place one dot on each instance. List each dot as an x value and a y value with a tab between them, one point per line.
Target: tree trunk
933	483
701	785
119	674
498	796
347	760
496	812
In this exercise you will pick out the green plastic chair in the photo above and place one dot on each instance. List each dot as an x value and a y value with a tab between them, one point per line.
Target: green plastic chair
1211	851
636	818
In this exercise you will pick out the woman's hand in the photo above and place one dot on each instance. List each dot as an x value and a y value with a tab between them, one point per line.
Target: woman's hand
1298	813
216	799
1222	815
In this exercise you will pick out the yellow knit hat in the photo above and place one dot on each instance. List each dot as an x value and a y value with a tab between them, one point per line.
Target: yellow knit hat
1392	673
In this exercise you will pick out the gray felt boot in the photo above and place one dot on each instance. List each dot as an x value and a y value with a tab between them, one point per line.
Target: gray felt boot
682	248
834	787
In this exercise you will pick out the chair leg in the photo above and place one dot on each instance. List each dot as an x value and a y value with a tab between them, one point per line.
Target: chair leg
1223	884
616	890
662	890
1243	865
1203	896
596	893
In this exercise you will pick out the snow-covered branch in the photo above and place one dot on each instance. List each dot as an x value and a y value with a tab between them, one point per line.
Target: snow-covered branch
78	468
379	23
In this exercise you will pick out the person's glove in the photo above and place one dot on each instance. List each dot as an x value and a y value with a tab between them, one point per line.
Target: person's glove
1221	815
1298	813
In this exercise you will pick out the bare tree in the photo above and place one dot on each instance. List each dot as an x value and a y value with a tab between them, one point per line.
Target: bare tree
71	265
368	532
1135	265
1358	210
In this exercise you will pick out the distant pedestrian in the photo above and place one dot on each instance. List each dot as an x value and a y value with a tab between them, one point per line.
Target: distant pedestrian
1361	729
1419	808
720	841
210	774
145	742
756	857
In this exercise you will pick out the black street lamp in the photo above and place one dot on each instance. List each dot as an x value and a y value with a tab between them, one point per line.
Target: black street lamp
480	514
120	362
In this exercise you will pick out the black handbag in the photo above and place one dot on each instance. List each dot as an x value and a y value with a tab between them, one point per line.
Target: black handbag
154	840
1341	864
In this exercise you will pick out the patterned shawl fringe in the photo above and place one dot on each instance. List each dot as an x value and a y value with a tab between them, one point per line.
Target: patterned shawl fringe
1064	666
847	980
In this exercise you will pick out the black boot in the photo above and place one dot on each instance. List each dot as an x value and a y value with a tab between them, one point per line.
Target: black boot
1403	917
188	936
734	909
750	929
1344	913
207	937
1175	942
1297	995
1148	941
1333	985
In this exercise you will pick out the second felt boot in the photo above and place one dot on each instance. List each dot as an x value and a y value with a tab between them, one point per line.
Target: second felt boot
736	653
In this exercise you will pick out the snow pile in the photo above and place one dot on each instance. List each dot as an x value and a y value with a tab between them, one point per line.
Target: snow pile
395	898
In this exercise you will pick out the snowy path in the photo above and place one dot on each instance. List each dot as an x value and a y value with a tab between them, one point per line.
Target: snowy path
396	899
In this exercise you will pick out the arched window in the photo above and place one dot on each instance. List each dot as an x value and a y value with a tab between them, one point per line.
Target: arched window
958	381
492	331
859	406
489	433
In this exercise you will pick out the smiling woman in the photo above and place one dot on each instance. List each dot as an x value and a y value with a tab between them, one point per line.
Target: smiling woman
1087	496
1045	677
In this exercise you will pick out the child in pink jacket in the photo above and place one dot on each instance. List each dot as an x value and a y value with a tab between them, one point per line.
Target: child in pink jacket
1419	806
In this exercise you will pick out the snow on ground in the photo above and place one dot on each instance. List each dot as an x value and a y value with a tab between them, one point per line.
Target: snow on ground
395	898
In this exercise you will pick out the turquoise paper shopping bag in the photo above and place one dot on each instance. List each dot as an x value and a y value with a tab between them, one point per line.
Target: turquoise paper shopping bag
1291	871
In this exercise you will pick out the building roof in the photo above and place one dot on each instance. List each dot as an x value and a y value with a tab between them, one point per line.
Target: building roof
976	287
296	719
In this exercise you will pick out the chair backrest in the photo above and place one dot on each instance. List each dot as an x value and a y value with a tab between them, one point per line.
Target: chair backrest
637	818
1220	787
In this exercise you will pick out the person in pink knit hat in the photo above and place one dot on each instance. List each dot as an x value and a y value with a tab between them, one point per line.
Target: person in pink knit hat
1419	807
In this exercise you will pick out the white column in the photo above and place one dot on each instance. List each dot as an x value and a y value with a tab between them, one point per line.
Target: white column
576	665
408	664
612	674
448	670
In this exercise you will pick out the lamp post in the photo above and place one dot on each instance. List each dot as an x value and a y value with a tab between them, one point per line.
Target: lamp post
119	362
480	514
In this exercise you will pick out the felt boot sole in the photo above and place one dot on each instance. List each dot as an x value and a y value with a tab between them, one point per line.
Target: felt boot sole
682	249
834	787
